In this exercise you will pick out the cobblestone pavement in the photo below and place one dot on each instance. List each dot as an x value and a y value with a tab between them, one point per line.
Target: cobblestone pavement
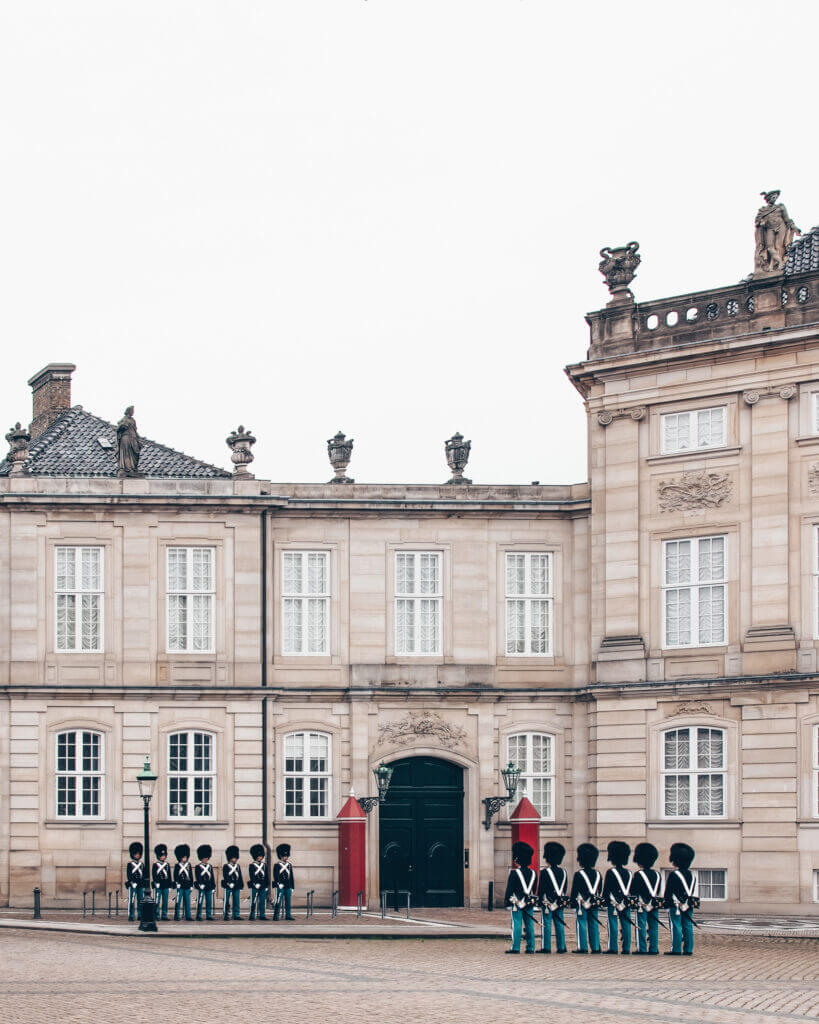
83	978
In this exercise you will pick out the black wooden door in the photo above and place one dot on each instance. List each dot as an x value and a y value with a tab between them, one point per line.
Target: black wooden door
422	832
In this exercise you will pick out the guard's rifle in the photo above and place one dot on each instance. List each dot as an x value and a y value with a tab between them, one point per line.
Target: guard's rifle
279	901
683	908
590	906
555	905
199	894
653	906
523	903
622	908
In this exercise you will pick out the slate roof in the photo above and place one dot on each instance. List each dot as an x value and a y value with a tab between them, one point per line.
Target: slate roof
803	254
71	447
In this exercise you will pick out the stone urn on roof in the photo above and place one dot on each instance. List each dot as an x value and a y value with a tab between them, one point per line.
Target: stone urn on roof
619	267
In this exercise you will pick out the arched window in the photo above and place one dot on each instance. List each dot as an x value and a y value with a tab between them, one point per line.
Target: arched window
307	774
693	772
533	753
80	774
191	775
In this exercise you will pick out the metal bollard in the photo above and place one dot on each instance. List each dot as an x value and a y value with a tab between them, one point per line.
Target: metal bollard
408	904
490	900
383	904
335	903
310	894
93	902
36	904
359	903
116	902
109	903
83	903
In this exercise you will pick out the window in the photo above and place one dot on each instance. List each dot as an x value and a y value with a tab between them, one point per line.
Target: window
305	602
693	772
191	774
306	775
79	774
816	886
694	592
528	603
533	753
79	589
816	412
417	602
815	790
711	883
699	428
190	600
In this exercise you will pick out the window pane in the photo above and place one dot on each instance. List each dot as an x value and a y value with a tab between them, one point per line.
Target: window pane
677	795
202	611
712	559
202	569
91	568
66	568
677	617
541	582
294	752
202	800
404	572
179	752
177	622
540	634
541	796
177	569
712	615
515	627
541	755
428	633
317	572
67	752
404	626
430	583
293	797
677	750
90	622
317	625
292	582
178	796
90	752
319	752
66	622
516	752
202	751
66	796
710	748
515	573
677	562
292	626
91	795
710	795
318	797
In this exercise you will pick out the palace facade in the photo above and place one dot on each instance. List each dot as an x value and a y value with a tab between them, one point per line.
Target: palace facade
643	645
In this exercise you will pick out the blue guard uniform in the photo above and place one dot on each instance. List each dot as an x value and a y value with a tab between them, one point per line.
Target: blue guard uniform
204	881
232	883
183	880
682	899
258	882
162	880
135	880
284	883
553	895
647	888
521	896
587	897
618	898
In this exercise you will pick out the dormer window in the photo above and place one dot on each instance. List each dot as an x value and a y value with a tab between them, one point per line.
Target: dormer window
693	430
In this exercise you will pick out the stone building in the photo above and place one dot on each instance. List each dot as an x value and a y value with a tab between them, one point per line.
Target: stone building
643	646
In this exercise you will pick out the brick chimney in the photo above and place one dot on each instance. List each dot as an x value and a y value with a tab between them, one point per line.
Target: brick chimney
50	394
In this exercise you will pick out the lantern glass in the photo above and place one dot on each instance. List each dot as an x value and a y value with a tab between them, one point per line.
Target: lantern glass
382	774
146	780
511	775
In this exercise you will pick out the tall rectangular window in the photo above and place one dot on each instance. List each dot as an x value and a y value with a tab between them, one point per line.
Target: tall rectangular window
815	766
816	581
191	775
306	775
694	592
815	398
693	773
79	593
528	603
191	592
711	883
418	602
79	774
697	428
305	602
533	753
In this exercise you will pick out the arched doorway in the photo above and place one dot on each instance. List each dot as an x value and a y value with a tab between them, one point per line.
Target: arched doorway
421	832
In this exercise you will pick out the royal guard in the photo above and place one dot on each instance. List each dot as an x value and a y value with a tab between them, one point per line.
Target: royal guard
284	881
587	897
135	879
521	896
617	896
647	888
232	882
682	899
258	882
205	882
162	880
183	880
553	895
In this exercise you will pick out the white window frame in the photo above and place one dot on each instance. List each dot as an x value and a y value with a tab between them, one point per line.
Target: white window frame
816	886
815	412
306	775
693	427
79	774
694	772
305	598
416	599
191	774
529	598
76	594
814	800
816	582
189	592
695	586
528	775
710	884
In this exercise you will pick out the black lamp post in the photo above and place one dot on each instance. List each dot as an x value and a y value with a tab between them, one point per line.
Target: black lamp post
510	775
146	780
382	775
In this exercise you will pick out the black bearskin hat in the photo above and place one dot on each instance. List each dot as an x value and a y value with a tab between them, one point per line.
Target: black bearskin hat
183	850
645	854
204	851
522	853
283	850
553	853
587	854
618	853
682	855
231	852
256	851
160	850
135	850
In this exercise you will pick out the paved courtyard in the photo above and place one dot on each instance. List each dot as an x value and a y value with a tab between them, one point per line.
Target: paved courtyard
83	978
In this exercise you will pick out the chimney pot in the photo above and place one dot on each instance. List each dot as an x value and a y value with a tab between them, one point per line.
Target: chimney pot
50	395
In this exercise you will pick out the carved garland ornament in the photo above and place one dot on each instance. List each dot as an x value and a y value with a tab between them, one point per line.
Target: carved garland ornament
692	707
423	725
813	478
694	490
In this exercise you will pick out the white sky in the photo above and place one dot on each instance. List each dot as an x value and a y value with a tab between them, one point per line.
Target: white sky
379	216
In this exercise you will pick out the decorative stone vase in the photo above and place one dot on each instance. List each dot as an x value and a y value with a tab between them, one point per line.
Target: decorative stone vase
340	451
457	456
240	443
618	267
18	438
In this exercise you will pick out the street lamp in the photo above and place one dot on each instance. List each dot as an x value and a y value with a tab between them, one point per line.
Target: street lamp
510	775
382	775
146	780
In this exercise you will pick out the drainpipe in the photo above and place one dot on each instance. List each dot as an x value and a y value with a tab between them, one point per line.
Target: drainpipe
263	645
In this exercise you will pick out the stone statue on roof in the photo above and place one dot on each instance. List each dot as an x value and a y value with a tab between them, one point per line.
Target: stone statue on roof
129	445
774	233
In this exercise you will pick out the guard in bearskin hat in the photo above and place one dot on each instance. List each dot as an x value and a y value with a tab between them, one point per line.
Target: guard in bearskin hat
162	880
587	897
284	883
553	895
258	882
232	882
617	896
682	899
183	880
521	896
205	882
647	888
135	880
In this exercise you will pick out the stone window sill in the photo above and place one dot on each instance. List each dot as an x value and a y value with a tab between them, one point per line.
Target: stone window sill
79	823
557	826
807	440
694	823
696	453
192	823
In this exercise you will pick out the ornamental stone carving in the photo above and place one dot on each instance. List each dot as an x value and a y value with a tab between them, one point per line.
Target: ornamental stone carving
18	438
773	231
457	455
692	707
636	413
694	490
340	451
421	725
129	445
618	267
240	443
813	477
784	391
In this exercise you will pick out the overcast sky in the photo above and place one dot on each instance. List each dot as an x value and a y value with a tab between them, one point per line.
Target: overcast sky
382	217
